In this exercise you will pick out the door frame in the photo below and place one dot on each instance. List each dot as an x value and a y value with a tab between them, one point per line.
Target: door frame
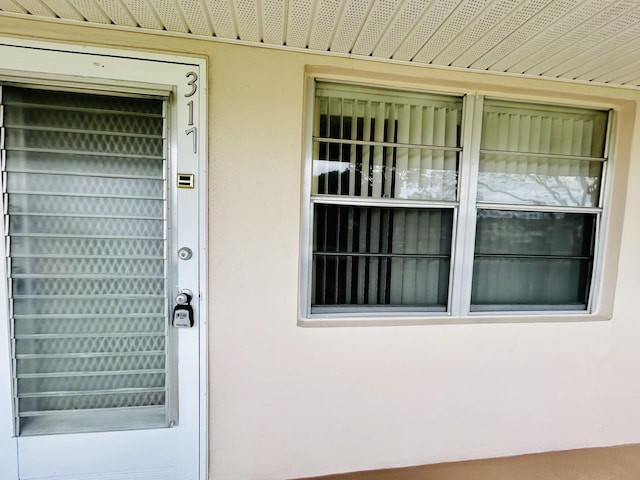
99	68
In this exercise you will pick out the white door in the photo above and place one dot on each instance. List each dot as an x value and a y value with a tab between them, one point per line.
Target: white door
101	360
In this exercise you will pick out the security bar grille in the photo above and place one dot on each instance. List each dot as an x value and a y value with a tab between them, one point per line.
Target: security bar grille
85	230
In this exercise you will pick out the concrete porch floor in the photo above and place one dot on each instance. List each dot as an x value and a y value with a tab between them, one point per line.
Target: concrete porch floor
610	463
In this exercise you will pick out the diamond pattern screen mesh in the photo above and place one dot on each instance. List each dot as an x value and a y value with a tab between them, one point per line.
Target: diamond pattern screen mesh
85	223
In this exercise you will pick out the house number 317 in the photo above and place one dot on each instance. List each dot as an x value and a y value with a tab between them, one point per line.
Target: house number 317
193	79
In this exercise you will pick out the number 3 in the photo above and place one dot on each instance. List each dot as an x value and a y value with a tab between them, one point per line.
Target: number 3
192	83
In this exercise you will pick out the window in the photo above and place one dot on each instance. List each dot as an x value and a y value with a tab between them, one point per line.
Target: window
424	204
85	210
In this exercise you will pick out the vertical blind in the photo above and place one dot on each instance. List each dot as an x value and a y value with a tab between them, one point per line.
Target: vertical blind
541	156
86	240
545	165
379	148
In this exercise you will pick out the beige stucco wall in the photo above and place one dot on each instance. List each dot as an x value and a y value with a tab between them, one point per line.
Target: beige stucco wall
287	401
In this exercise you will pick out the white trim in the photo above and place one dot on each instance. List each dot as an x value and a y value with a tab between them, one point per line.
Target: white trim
304	297
127	72
203	303
101	51
596	302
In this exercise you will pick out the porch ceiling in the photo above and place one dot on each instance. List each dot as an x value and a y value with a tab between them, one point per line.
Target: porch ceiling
582	40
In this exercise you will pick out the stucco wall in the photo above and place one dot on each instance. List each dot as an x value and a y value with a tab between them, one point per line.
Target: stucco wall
287	401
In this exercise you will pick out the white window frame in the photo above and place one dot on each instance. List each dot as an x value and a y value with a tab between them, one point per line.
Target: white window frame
599	304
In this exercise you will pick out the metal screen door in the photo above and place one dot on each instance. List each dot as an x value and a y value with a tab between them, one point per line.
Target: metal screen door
91	271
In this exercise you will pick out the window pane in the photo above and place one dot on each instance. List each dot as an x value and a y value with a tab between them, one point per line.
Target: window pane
381	256
532	260
85	214
388	144
403	173
522	127
567	154
538	181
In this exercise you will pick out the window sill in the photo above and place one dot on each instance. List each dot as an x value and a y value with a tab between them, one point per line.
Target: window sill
345	320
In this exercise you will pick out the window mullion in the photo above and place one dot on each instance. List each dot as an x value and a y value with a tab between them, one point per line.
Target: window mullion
465	222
